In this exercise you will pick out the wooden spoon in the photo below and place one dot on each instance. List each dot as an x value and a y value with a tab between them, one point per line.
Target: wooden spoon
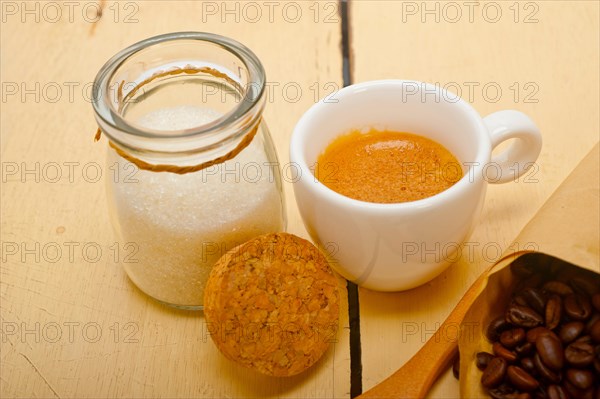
414	379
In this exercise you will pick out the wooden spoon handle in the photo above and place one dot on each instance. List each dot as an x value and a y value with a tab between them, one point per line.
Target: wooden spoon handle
414	379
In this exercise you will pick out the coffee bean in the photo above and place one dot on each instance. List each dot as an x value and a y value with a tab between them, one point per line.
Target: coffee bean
581	379
584	339
594	331
596	302
550	350
520	300
483	359
501	351
570	331
558	287
502	391
585	286
593	318
521	379
557	392
553	312
524	349
577	307
535	299
494	372
579	354
527	364
548	343
496	327
597	360
577	393
534	333
544	371
512	337
523	316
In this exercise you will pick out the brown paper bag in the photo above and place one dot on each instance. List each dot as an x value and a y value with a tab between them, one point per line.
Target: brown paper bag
565	230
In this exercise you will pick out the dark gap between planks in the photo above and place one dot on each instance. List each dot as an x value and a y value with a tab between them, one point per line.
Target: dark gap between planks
353	303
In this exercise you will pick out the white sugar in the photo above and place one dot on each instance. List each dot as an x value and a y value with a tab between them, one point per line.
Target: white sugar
178	118
184	223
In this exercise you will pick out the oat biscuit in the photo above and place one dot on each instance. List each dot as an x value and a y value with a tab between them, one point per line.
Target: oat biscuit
272	304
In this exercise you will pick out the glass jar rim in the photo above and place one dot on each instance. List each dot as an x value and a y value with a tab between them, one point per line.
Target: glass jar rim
250	100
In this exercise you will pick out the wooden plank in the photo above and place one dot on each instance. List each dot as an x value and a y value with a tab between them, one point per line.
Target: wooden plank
543	56
74	326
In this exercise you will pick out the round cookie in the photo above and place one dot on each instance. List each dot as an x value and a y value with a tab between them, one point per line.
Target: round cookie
272	304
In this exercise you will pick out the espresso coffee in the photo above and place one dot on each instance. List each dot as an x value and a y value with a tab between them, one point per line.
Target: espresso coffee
387	166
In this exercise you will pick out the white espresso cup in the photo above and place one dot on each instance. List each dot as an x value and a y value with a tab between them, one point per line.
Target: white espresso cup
394	247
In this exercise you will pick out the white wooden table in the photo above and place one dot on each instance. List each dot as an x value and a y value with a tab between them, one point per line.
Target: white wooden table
74	326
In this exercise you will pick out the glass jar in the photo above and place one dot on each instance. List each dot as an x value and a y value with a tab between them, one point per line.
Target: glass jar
193	170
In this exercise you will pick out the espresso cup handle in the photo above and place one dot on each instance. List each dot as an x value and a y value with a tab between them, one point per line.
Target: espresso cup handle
522	153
